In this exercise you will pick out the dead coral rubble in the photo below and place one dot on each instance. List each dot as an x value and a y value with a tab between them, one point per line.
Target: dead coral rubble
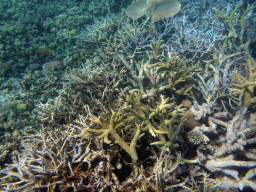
238	140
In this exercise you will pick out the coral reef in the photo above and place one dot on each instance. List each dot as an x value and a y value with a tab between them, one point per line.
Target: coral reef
27	27
147	121
59	161
219	81
121	104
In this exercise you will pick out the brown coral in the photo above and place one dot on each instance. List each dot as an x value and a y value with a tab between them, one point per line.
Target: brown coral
187	104
190	120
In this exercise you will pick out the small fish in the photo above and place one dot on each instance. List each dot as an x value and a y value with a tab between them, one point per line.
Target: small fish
209	34
85	58
45	51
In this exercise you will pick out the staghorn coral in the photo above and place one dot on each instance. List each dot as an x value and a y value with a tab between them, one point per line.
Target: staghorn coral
165	160
146	117
119	35
196	42
244	86
178	80
156	9
174	76
238	135
236	31
160	177
137	46
80	86
218	83
223	165
59	161
107	129
171	119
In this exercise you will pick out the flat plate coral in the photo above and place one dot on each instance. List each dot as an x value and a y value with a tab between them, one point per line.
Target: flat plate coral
156	9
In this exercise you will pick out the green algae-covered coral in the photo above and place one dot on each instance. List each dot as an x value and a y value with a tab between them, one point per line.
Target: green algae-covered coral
244	86
158	120
176	75
109	128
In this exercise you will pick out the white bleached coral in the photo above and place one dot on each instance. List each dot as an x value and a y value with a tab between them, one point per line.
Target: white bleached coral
54	160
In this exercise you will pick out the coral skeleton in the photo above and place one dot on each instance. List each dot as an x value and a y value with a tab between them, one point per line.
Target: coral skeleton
238	140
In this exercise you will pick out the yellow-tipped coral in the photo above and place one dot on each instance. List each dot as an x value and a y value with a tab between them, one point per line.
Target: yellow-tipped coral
178	75
244	87
116	121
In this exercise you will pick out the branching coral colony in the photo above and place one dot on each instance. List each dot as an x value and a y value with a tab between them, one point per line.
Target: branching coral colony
131	117
227	82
